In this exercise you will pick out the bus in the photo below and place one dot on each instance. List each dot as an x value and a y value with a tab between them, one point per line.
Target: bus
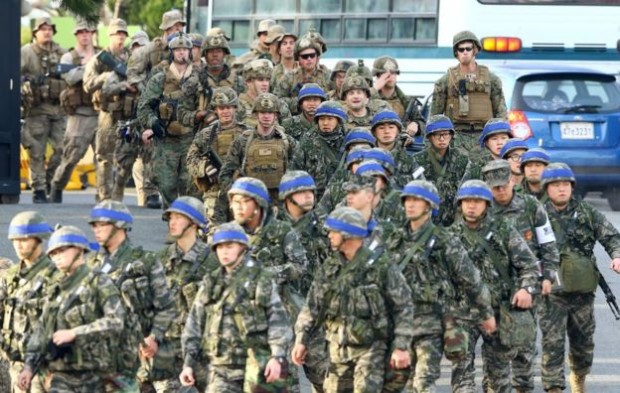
418	33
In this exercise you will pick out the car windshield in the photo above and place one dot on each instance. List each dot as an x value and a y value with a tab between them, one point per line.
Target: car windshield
568	93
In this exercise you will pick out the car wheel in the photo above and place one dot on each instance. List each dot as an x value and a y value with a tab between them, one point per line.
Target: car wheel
613	197
9	199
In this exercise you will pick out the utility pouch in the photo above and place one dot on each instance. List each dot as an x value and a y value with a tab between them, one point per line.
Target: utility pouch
517	327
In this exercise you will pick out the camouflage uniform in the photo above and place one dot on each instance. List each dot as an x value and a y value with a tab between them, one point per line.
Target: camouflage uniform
353	83
569	311
87	302
438	270
236	324
447	172
479	157
533	155
299	125
341	66
484	92
208	80
257	51
45	120
362	304
506	264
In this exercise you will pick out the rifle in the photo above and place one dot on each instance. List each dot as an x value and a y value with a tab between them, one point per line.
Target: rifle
106	58
609	295
418	141
61	69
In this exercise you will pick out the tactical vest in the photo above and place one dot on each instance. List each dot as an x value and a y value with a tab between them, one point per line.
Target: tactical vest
75	96
159	52
478	94
225	138
169	105
121	106
48	89
266	159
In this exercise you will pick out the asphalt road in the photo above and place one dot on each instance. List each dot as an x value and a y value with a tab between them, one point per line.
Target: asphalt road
150	231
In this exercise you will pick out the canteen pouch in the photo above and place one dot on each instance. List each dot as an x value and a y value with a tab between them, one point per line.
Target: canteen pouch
516	327
577	273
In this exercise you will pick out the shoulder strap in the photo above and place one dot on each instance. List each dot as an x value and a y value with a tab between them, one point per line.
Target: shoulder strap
423	240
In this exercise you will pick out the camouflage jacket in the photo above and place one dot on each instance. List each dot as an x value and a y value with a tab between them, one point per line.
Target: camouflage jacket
437	268
361	121
97	73
88	303
298	126
527	190
246	115
140	278
359	302
22	288
279	72
235	313
406	169
447	174
334	193
143	60
390	211
399	102
529	218
37	62
288	87
503	258
183	274
478	159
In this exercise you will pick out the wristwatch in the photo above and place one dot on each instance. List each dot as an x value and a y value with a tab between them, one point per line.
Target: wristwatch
280	359
530	289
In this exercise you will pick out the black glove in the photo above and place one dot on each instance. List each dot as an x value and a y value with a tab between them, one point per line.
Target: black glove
58	351
159	130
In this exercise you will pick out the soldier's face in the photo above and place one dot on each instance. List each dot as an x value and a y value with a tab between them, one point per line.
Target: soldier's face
266	120
261	85
360	199
181	55
339	79
262	37
102	231
515	160
440	140
225	113
309	105
84	37
415	207
243	208
65	257
559	192
44	34
177	27
177	224
386	133
328	123
466	52
25	247
495	143
215	57
228	253
118	40
503	194
304	200
356	99
287	47
473	209
335	240
533	171
308	59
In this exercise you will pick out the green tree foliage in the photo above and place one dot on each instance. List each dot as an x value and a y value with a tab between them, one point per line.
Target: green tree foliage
87	9
146	13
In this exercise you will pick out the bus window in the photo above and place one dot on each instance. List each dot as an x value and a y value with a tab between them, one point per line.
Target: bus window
232	7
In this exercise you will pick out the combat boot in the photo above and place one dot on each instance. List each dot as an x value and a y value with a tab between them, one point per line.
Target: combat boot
577	383
153	202
55	195
38	196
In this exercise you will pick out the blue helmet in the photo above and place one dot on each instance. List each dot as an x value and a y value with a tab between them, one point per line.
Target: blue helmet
438	123
357	135
535	155
29	224
557	171
331	108
190	207
493	127
229	232
371	168
111	212
422	189
386	116
512	145
252	188
475	189
311	90
295	181
68	236
348	221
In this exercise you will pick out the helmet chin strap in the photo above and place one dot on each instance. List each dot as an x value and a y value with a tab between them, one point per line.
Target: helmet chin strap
75	258
416	218
294	202
177	237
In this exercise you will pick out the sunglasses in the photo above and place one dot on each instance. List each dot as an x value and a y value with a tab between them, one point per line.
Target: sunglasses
308	56
465	49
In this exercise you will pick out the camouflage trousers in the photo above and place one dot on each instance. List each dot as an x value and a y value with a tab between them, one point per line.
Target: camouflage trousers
466	141
523	363
225	379
104	153
362	375
36	133
73	382
170	173
121	383
564	315
80	134
317	361
133	159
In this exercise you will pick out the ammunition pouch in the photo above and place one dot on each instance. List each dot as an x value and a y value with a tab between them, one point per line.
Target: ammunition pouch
517	327
73	97
577	273
167	111
121	107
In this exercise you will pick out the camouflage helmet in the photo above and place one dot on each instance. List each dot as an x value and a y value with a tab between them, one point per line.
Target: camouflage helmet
197	39
358	135
259	68
117	25
68	236
385	64
496	173
494	127
266	102
383	157
43	20
438	123
422	189
306	43
276	33
82	24
295	181
360	70
512	145
224	96
348	222
171	18
341	66
181	41
331	108
252	188
474	189
311	90
29	224
535	155
352	83
356	155
357	182
557	171
386	117
227	233
264	25
140	38
214	42
463	36
112	212
215	31
318	38
190	207
371	168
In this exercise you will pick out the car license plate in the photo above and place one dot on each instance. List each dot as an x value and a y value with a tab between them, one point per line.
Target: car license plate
577	130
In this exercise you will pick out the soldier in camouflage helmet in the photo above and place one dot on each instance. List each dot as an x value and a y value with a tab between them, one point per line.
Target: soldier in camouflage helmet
284	48
569	309
263	152
210	147
495	134
444	165
275	35
259	49
533	163
469	94
508	268
82	315
310	97
22	286
140	278
355	279
356	96
197	40
529	218
319	152
337	79
439	271
185	262
242	355
512	152
215	72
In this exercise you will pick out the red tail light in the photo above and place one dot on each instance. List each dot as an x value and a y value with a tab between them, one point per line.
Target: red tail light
501	44
519	125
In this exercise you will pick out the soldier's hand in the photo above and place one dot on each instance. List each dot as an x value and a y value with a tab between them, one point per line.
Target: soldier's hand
615	265
149	348
400	359
413	128
489	326
299	354
273	370
200	115
522	299
64	336
147	136
546	287
381	80
24	379
131	89
187	377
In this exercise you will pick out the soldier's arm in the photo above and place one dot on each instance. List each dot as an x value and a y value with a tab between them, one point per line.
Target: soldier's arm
26	59
149	100
232	161
521	258
400	302
188	105
498	102
36	346
113	312
296	263
196	160
306	318
279	332
192	332
549	254
163	303
605	233
137	67
73	76
440	95
299	159
93	77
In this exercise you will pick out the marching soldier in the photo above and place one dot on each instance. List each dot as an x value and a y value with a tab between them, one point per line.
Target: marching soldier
512	152
310	97
215	72
533	164
495	134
